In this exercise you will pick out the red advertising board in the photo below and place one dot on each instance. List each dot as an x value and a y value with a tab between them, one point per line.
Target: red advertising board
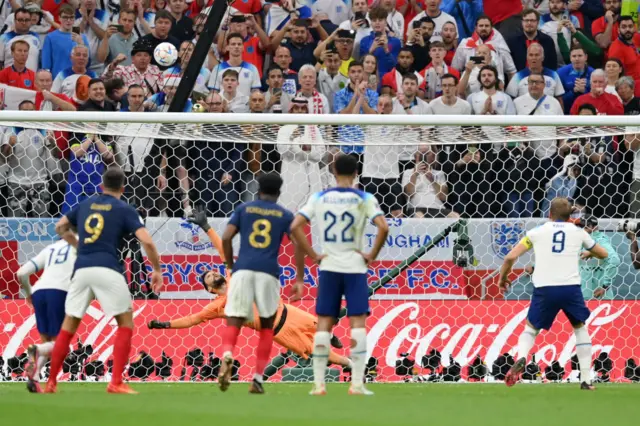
463	329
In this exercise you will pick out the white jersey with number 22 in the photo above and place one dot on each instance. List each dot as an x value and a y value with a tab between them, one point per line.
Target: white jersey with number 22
557	247
342	214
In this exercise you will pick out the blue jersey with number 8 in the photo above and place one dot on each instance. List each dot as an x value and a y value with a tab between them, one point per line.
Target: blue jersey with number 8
102	221
262	226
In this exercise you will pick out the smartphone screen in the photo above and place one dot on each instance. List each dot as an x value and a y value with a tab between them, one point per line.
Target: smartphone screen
76	30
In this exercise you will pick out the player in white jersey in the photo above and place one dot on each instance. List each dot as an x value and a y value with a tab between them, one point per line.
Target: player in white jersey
48	298
558	246
342	214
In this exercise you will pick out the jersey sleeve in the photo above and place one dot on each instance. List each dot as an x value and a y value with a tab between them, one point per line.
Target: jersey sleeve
213	310
587	242
372	208
72	216
235	217
308	210
40	260
132	220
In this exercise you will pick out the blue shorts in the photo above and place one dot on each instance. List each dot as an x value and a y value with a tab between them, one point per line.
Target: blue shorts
548	301
333	285
49	306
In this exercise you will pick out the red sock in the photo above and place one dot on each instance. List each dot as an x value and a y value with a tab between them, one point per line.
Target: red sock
264	350
58	354
121	349
230	338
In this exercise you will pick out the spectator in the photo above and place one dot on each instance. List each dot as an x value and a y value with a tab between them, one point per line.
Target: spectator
116	42
432	74
161	33
605	28
277	100
282	12
439	18
144	16
340	42
535	58
624	49
626	91
380	43
408	102
257	103
18	75
395	19
356	98
586	11
30	154
20	33
370	72
330	80
65	81
184	56
299	46
301	149
116	92
47	101
613	70
283	60
419	41
235	101
537	102
56	51
140	72
334	9
556	21
575	77
506	15
449	103
426	186
358	23
519	168
577	39
256	41
248	75
92	23
469	82
318	103
380	171
484	34
450	39
519	44
490	100
42	21
605	103
567	183
182	27
470	185
89	154
161	101
465	13
392	81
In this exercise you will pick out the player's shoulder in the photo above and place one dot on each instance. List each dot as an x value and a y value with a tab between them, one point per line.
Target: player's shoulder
343	192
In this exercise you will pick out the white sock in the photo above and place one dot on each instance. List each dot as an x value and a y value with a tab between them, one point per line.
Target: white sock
583	350
258	378
526	341
45	349
321	344
358	355
42	360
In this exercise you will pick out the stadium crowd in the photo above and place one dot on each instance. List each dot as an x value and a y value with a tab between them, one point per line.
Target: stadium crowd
493	57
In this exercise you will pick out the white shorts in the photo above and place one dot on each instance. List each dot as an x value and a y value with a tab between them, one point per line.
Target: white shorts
104	284
247	287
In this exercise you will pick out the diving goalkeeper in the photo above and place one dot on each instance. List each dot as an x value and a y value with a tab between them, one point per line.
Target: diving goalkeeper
294	328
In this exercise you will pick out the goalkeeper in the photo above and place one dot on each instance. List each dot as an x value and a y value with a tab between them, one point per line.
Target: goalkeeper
294	328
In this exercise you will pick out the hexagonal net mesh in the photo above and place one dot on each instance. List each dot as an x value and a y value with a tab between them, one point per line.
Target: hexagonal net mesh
471	185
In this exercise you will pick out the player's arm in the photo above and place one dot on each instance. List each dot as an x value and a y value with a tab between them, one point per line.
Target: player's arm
302	248
381	237
64	228
210	312
199	218
227	244
596	251
523	246
152	254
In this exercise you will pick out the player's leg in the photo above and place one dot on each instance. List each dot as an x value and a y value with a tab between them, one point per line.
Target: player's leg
357	297
330	290
577	312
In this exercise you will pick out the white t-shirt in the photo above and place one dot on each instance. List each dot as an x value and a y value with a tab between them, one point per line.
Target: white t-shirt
342	213
549	106
7	40
101	18
239	104
557	247
519	84
57	260
502	103
381	161
439	22
425	195
249	77
461	107
337	10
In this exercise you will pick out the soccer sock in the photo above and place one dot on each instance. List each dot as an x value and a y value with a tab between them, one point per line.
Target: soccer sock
121	348
526	341
41	361
229	339
583	350
263	352
58	354
321	344
45	349
358	354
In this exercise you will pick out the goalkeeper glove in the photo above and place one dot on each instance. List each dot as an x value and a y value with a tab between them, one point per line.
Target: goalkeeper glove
199	218
158	324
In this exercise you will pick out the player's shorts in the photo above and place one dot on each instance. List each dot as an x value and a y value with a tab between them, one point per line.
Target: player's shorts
333	285
548	301
105	284
249	287
48	304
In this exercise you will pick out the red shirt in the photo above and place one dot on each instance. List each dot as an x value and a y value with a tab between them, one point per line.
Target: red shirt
448	58
53	6
13	78
606	104
499	10
628	55
62	138
411	12
252	53
448	70
243	6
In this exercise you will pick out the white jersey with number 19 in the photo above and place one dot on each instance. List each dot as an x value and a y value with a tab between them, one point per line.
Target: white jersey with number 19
557	247
342	214
57	260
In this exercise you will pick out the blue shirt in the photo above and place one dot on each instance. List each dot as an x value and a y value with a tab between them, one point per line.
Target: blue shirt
568	78
262	225
56	52
386	61
86	171
352	134
102	221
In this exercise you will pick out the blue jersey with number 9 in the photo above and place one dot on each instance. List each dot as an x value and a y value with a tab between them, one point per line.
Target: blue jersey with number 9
102	221
262	226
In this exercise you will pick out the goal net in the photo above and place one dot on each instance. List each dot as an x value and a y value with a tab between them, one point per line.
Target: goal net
467	187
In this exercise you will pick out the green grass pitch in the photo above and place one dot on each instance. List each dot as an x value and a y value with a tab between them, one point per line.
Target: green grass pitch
288	404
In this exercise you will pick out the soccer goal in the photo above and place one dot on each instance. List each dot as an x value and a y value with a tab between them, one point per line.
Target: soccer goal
458	193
